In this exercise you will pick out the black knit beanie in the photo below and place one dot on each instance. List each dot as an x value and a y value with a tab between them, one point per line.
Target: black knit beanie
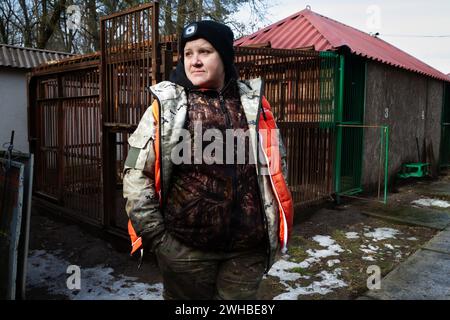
219	35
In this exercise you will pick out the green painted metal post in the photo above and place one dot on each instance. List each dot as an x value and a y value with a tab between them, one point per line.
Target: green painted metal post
338	119
382	149
363	121
386	163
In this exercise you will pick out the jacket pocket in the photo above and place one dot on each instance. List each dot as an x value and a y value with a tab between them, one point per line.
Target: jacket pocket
141	148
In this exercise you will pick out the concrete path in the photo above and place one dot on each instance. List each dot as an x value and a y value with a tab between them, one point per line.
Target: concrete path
424	275
426	217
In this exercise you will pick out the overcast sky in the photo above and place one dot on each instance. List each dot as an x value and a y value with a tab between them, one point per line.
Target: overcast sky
397	21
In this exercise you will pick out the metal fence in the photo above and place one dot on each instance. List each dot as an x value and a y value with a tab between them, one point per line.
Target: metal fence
129	64
83	109
66	140
301	88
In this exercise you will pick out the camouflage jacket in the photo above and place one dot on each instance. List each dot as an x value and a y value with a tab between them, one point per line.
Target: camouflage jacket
148	167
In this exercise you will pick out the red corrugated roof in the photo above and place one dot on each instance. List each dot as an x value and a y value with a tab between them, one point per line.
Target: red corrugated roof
307	28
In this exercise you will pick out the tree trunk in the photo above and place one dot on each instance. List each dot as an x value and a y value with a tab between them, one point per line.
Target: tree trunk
42	23
93	25
192	11
27	25
218	11
181	16
200	10
169	27
3	34
48	25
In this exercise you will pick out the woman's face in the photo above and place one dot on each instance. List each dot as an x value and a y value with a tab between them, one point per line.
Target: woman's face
203	65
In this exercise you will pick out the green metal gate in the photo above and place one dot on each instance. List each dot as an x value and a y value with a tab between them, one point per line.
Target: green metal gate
349	121
445	138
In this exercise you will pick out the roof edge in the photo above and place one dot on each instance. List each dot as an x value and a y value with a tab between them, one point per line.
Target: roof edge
34	49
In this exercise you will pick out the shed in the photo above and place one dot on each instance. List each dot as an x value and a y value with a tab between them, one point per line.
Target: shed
382	86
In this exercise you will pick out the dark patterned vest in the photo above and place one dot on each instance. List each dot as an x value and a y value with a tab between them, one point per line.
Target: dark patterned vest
215	204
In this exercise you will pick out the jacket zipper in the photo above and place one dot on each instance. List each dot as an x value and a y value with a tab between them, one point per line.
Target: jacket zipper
263	210
160	155
230	126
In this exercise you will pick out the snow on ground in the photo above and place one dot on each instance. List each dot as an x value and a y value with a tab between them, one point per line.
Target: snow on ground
382	234
331	263
49	271
412	239
427	202
330	280
368	258
281	269
352	235
332	248
364	249
324	241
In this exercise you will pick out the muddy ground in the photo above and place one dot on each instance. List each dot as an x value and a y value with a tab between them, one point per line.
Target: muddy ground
329	256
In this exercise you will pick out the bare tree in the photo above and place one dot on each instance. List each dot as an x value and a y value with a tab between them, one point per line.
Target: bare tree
49	21
93	25
44	23
169	27
218	10
9	21
181	16
3	32
5	22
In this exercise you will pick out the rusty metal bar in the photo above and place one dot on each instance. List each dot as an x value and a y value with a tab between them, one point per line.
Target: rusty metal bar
82	191
167	63
130	62
155	43
59	138
104	103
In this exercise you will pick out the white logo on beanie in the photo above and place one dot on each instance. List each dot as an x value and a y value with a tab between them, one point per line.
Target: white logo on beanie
190	30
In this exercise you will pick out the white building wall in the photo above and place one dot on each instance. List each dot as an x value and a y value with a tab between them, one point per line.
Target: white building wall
13	108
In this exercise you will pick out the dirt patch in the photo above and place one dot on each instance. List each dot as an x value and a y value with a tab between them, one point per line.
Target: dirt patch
339	270
64	243
362	250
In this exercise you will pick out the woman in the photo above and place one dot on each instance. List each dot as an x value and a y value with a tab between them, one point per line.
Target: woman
204	176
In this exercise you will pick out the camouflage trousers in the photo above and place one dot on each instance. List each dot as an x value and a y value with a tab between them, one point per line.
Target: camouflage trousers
190	273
